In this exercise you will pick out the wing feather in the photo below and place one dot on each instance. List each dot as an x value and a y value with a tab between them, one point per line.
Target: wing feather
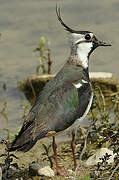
58	106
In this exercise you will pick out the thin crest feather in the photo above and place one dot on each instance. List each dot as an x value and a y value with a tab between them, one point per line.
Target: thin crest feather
61	21
67	28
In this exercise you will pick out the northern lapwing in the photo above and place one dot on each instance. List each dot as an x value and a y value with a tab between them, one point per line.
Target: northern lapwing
65	100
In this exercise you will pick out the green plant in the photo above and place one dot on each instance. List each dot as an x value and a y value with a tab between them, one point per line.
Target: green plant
45	56
47	153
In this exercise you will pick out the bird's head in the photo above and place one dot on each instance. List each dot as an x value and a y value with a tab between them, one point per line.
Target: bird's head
83	43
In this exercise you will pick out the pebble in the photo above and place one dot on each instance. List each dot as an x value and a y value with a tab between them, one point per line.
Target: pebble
42	169
46	171
95	158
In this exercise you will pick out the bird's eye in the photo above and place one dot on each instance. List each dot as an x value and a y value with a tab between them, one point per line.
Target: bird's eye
87	37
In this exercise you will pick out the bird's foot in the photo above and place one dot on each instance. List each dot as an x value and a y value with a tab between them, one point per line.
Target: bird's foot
61	173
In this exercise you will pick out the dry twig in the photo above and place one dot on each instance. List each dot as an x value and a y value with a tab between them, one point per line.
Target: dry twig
32	88
110	178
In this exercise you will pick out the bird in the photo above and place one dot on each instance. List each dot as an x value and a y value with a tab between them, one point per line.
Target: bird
65	100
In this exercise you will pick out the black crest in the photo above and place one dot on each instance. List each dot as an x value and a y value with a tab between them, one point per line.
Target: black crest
67	28
61	21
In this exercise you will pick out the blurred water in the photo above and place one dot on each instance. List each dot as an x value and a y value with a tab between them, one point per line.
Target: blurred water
22	23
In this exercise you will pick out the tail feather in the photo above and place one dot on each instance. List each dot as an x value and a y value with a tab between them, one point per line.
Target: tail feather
23	147
26	138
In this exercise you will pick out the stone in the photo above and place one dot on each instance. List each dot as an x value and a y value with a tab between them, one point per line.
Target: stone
46	171
41	169
103	75
95	158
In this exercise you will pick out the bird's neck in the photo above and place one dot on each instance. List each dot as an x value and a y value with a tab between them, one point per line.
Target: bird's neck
79	60
73	61
80	54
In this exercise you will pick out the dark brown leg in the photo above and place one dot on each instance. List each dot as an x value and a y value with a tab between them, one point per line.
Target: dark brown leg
73	148
54	146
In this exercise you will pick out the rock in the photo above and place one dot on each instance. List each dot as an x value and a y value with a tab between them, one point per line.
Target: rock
46	171
42	169
95	159
99	75
70	172
0	173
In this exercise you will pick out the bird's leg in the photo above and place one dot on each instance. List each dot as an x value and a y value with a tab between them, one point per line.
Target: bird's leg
73	145
54	146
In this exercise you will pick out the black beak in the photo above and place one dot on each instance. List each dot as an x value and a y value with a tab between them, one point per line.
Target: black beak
99	43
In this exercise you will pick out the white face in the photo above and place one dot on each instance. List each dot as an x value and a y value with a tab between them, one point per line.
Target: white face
80	37
83	47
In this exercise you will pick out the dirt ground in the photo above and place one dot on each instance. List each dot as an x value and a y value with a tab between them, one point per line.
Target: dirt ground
38	154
